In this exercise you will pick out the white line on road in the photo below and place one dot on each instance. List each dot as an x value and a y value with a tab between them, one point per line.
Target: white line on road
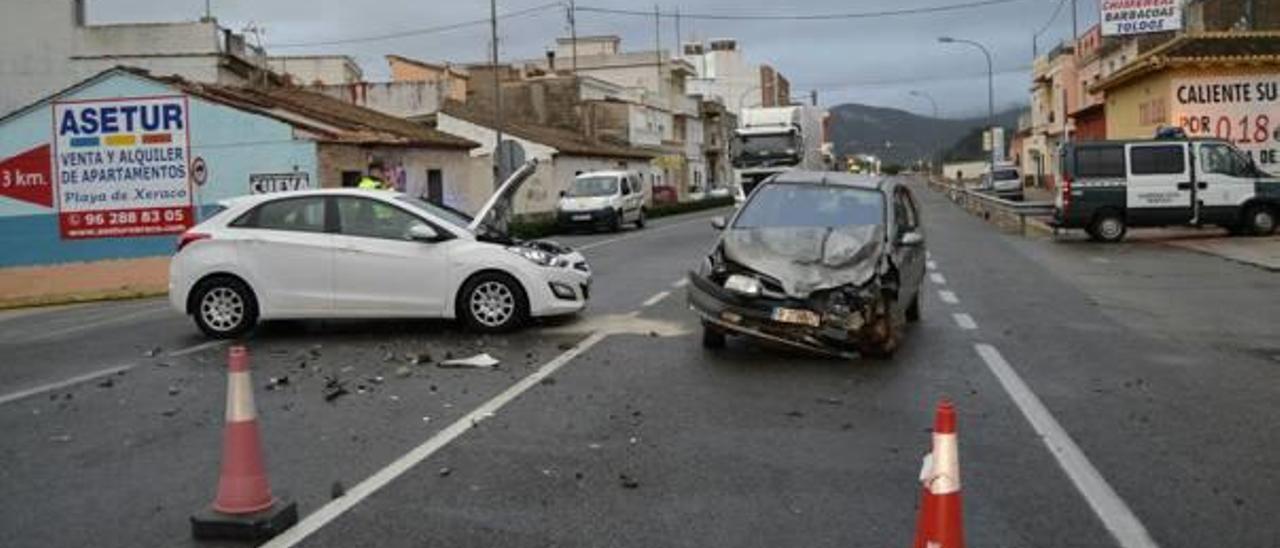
938	278
680	283
932	265
336	507
1110	508
948	297
655	299
639	233
965	321
15	396
145	311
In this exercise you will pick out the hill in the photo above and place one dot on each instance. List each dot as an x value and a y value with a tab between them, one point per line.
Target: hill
900	137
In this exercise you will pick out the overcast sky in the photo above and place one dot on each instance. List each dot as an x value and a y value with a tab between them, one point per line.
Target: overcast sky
872	61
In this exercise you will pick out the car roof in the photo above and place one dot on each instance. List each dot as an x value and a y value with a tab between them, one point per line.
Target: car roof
835	178
259	198
613	173
1116	142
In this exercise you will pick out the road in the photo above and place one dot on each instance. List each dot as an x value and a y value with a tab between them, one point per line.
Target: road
1107	395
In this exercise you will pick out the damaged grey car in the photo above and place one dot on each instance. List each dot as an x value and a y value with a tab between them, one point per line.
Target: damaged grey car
826	262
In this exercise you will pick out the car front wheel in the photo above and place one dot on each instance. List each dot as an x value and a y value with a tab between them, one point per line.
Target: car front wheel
887	331
640	219
493	303
224	308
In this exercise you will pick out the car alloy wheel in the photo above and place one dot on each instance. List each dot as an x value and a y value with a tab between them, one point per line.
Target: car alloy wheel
223	309
493	304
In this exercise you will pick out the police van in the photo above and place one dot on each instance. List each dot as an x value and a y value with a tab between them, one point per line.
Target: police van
1110	186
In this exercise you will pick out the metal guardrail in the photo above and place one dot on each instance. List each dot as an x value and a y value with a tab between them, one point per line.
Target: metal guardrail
982	202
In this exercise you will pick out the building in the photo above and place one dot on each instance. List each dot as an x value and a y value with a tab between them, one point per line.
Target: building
47	45
1054	94
718	124
451	81
109	169
317	70
562	153
1212	84
723	73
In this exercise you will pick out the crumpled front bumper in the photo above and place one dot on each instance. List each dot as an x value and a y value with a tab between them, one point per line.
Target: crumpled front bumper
753	317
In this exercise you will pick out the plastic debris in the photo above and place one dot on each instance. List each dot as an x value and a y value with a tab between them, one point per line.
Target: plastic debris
107	382
334	389
403	371
444	472
155	351
418	358
628	482
174	390
478	361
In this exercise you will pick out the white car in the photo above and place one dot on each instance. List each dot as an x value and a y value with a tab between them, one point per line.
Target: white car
603	198
347	253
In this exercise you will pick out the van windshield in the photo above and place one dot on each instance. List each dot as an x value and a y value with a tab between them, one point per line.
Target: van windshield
587	187
1006	175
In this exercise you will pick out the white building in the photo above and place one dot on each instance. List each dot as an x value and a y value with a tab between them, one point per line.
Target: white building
311	70
47	45
723	73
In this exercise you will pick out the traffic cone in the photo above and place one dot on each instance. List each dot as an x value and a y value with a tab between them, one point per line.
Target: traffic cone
940	524
244	508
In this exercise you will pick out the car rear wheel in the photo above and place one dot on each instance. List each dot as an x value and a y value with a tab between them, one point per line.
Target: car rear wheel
224	307
712	337
1260	220
1108	226
493	303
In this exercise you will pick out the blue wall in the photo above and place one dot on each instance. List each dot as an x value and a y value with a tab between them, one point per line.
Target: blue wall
233	144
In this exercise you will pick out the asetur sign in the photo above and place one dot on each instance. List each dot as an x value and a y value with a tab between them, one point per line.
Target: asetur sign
1123	17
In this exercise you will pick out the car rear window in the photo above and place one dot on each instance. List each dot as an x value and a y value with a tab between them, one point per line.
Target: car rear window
1100	162
804	205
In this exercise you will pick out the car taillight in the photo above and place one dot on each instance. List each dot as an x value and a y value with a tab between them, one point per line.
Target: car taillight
189	237
1066	192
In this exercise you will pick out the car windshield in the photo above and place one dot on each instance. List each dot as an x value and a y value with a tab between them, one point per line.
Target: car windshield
444	213
587	187
804	205
1006	175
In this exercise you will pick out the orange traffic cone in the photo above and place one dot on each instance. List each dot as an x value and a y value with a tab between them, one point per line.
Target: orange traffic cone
244	507
940	524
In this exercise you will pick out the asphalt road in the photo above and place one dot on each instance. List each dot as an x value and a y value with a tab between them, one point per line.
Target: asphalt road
1093	383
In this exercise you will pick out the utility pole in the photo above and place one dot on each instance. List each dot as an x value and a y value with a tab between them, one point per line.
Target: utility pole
813	97
1075	25
497	95
208	10
679	36
573	33
657	46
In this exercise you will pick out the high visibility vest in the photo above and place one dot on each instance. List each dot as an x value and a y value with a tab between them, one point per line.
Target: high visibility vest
369	183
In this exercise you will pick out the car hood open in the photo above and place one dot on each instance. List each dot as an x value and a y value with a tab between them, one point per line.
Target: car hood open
494	219
808	259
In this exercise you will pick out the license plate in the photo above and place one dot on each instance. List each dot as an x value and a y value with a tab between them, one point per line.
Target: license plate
586	217
791	315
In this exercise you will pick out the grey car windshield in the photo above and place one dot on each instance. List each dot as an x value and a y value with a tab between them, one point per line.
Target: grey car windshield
767	144
451	216
804	205
587	187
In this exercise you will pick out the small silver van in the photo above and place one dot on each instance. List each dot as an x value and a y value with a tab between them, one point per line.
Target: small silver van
602	199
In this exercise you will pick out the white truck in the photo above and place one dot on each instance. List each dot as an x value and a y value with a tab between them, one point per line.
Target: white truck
772	140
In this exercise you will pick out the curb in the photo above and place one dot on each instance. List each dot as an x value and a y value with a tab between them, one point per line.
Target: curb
81	298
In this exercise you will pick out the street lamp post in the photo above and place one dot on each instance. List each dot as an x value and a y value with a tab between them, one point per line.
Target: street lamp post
936	153
991	89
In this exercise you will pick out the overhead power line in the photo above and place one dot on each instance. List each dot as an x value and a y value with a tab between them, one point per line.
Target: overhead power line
805	17
420	31
838	86
1052	18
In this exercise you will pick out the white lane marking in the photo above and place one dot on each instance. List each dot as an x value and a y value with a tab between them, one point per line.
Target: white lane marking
146	311
639	233
336	507
965	321
655	299
948	297
938	278
78	379
1109	507
932	265
680	283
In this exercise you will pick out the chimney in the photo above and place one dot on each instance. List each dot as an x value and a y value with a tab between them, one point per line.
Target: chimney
551	61
78	12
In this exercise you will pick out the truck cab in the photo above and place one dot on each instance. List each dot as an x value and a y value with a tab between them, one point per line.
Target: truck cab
773	140
1111	186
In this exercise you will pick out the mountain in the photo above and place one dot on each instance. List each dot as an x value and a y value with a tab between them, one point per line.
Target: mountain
900	137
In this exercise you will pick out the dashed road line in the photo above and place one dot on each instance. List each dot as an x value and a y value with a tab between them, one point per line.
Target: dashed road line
398	467
196	348
655	299
948	297
965	321
1116	516
145	310
638	233
938	278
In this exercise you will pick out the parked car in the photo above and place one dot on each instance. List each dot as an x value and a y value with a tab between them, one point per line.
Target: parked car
607	199
720	192
1004	181
828	262
346	253
1110	186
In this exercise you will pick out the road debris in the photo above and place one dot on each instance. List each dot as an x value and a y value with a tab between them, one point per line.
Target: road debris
334	389
628	482
337	490
62	438
478	361
276	382
418	358
564	346
795	414
831	401
170	412
107	382
174	390
314	351
155	351
444	472
403	371
547	381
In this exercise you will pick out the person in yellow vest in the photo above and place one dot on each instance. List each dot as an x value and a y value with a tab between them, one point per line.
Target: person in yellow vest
374	180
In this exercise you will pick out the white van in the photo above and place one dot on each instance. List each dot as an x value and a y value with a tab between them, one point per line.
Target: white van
607	199
1109	186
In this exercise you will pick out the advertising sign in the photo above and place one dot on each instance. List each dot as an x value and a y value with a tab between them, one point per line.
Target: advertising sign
1242	109
1124	17
263	183
27	177
121	167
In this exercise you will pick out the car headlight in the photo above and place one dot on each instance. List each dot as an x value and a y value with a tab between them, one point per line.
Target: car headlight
538	256
745	285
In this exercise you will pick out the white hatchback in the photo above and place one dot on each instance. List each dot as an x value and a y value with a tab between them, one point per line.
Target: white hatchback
346	253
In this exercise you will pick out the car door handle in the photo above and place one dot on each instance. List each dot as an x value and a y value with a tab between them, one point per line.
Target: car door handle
1184	186
1202	186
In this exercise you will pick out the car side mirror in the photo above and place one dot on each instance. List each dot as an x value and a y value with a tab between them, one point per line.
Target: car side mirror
718	223
912	239
423	233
